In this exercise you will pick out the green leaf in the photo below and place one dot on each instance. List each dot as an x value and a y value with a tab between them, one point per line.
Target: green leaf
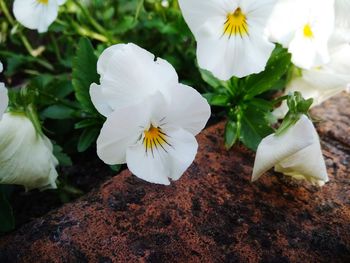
7	221
208	77
62	157
217	99
58	112
270	78
255	126
87	138
87	123
262	104
231	134
305	105
62	89
84	74
126	23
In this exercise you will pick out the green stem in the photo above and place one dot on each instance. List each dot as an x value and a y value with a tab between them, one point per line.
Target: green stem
88	33
33	116
41	62
103	34
23	38
89	17
6	12
27	45
138	9
55	46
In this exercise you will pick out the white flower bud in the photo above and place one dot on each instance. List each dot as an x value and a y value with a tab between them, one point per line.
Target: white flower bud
26	157
296	153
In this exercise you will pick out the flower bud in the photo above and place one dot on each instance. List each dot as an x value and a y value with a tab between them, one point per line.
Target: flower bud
26	156
296	153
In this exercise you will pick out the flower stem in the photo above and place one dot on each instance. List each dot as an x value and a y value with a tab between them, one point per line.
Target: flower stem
33	116
102	34
23	38
138	9
6	12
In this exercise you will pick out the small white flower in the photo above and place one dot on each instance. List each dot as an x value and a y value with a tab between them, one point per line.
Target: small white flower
152	120
305	27
25	156
296	153
3	96
36	14
230	34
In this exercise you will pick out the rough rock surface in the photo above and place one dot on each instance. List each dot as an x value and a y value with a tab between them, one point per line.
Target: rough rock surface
212	214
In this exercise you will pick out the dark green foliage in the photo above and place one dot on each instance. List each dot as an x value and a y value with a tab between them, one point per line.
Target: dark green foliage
84	74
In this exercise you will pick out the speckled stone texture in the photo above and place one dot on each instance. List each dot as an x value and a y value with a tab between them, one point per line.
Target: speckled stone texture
212	214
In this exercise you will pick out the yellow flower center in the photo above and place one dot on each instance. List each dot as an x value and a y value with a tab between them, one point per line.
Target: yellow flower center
236	24
154	138
44	2
308	31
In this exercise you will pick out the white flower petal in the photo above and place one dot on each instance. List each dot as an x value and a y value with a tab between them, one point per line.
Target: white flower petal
25	158
99	100
284	22
3	99
342	10
308	52
163	163
129	74
150	168
198	12
194	111
35	15
183	152
307	164
121	129
274	150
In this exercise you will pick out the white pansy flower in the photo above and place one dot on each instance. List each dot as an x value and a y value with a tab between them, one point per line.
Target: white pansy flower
323	82
3	96
36	14
304	27
230	34
26	157
152	120
296	153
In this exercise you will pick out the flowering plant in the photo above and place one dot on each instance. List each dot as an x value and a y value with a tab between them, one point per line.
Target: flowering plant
132	82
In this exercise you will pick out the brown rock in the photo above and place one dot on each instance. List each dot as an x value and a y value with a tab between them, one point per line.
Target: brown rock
334	118
212	214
